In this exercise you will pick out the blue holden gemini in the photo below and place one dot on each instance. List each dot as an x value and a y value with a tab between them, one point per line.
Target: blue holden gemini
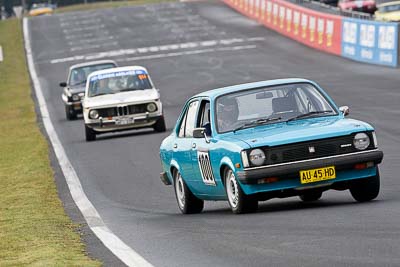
257	141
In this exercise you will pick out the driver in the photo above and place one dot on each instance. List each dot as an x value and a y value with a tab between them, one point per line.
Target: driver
228	112
78	77
103	87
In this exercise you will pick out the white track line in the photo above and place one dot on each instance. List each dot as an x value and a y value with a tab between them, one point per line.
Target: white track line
92	217
192	52
1	54
153	49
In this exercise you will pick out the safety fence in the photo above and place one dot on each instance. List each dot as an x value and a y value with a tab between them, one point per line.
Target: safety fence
361	40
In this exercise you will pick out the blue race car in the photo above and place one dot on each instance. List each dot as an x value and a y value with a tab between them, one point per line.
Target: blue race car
271	139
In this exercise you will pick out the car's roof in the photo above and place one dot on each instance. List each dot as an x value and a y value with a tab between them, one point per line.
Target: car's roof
91	63
389	3
112	70
235	88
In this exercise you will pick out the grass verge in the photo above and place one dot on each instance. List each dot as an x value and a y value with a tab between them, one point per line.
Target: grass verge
34	229
110	4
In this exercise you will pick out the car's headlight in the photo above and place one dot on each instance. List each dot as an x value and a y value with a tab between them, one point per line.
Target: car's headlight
93	114
151	107
361	141
257	157
75	97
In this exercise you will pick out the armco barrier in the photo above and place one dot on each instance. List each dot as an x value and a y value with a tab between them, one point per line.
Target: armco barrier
357	39
316	29
370	41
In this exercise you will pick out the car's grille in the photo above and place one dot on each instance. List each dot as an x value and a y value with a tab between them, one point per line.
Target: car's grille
311	149
123	110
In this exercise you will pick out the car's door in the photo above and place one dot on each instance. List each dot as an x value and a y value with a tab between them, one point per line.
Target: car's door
183	143
204	159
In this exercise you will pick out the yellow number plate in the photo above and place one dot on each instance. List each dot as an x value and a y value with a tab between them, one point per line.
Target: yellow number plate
316	175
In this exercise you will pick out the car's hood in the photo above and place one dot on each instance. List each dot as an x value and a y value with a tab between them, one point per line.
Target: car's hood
299	131
121	98
77	89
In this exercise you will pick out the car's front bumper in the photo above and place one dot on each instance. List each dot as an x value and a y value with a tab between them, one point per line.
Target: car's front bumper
106	125
75	105
341	162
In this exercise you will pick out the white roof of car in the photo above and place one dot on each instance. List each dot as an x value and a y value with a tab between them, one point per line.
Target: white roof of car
112	70
91	63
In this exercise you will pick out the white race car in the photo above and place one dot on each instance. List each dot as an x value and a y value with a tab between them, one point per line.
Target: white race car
121	99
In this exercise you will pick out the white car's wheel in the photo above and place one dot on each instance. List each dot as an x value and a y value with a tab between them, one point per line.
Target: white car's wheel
90	134
187	202
238	200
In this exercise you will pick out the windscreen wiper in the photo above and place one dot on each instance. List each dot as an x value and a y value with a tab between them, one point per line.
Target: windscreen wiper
309	114
82	82
257	122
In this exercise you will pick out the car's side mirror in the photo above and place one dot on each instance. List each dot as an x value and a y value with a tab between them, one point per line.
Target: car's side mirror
199	132
63	84
345	110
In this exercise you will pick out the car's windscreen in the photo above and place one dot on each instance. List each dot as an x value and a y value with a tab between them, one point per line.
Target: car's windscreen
116	82
79	75
390	8
274	104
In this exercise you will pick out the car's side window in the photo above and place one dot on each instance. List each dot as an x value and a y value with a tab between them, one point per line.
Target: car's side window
203	118
191	118
182	127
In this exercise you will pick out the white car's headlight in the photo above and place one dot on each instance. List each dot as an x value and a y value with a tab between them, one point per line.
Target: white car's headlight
93	114
361	141
151	107
75	97
257	157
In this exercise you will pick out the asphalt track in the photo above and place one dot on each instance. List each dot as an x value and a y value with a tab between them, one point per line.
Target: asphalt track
188	48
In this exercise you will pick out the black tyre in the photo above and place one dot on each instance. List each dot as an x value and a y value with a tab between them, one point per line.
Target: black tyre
160	125
366	189
69	113
90	134
311	196
238	200
187	202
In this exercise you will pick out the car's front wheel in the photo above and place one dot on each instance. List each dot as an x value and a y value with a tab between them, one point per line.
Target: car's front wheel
366	189
160	125
187	202
70	113
90	134
238	200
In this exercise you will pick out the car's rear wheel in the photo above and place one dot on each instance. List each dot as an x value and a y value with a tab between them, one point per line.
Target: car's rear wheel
187	202
160	125
90	134
70	113
366	189
238	200
311	196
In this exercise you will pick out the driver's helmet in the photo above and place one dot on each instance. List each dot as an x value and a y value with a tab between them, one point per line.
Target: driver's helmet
228	110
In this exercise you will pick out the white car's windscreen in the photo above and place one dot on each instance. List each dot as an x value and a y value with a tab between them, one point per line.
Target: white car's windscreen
116	82
253	107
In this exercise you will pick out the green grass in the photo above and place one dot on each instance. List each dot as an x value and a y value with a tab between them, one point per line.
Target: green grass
34	229
109	4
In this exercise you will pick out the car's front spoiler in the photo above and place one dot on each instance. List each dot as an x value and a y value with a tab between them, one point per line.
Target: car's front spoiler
111	126
252	175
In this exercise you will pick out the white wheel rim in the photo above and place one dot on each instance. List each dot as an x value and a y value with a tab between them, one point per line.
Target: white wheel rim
180	191
232	189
